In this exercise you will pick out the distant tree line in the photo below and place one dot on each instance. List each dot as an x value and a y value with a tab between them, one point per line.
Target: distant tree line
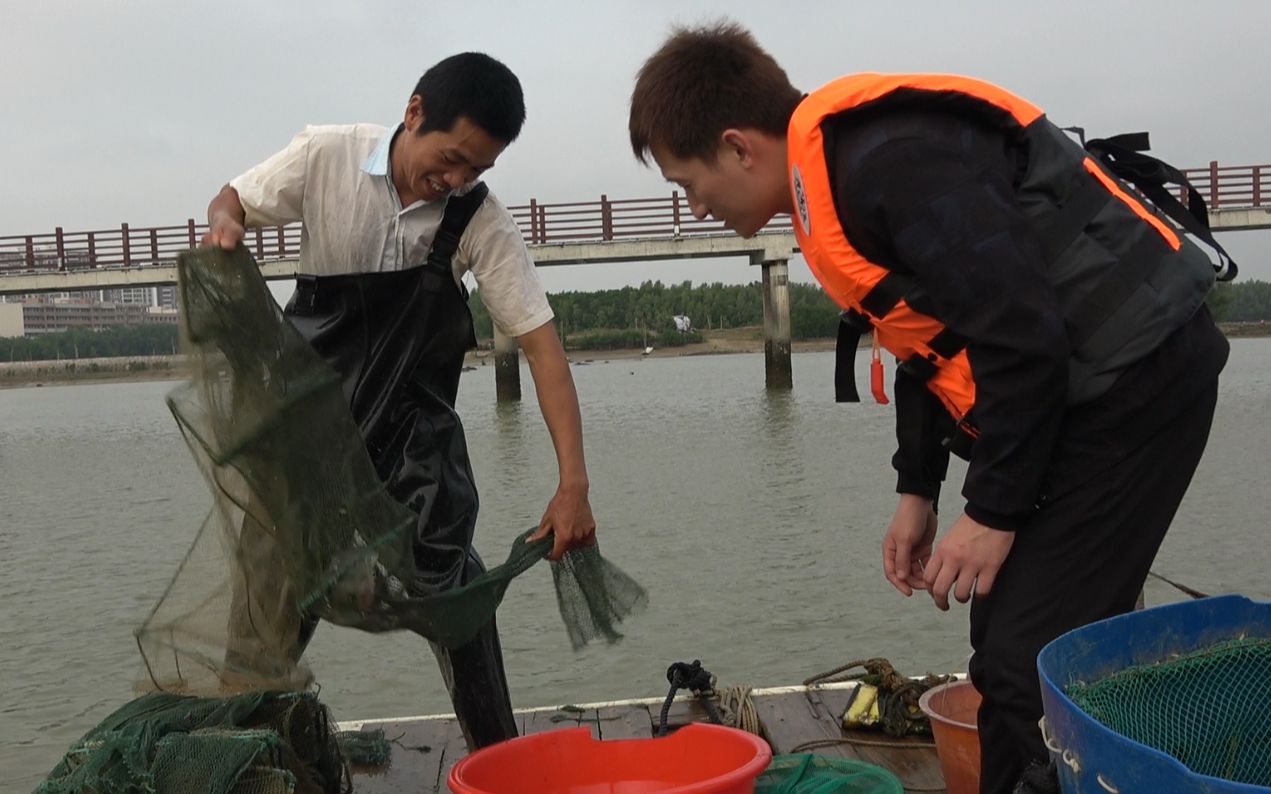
116	341
627	317
607	319
1241	302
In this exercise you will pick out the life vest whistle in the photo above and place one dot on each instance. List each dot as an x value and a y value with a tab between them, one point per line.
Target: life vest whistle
876	374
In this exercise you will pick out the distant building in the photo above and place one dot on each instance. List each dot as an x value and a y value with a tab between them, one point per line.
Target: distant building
79	296
48	318
682	323
11	320
131	296
166	297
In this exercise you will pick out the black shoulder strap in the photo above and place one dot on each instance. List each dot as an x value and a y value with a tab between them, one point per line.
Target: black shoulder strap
852	326
1123	155
459	212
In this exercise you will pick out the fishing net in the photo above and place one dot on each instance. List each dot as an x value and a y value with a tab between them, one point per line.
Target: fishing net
302	528
805	773
257	743
1208	708
301	523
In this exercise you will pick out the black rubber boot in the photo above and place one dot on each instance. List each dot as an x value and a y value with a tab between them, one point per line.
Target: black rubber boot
478	688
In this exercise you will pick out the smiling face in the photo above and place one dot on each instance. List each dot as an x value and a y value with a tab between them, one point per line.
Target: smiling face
430	166
744	186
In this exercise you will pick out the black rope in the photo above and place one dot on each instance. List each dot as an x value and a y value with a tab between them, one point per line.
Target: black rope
692	677
899	712
1181	587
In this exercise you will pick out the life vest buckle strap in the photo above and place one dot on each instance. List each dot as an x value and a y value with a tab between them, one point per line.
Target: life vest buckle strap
947	343
889	291
922	367
860	323
918	367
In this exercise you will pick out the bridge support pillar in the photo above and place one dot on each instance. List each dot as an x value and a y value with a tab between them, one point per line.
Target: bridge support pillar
507	367
776	324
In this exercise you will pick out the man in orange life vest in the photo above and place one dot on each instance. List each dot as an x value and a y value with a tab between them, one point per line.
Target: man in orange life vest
1049	327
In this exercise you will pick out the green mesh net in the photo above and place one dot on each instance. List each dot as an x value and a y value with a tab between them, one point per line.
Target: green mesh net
1210	709
301	524
256	743
301	528
805	773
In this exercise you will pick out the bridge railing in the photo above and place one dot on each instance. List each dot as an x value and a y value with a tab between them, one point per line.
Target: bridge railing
608	220
1231	185
129	247
605	220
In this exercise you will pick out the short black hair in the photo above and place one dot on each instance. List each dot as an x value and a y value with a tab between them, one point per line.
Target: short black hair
702	81
475	86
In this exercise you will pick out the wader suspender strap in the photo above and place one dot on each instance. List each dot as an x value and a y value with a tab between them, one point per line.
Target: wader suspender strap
416	309
1123	155
853	324
459	212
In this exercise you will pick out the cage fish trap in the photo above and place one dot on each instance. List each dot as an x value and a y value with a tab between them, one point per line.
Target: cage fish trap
1175	698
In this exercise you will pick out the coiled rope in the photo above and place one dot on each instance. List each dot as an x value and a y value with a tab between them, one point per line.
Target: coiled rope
735	709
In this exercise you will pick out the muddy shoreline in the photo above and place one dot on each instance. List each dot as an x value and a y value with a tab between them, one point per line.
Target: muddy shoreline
25	374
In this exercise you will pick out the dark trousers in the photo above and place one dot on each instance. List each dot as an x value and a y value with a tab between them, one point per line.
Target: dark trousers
1084	556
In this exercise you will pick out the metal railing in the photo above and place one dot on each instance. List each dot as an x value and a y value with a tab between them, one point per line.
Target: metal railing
129	247
1231	186
606	220
609	220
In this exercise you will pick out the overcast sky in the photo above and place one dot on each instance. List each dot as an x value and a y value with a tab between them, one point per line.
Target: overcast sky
138	111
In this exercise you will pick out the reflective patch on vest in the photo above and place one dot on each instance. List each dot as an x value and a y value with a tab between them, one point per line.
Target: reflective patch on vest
800	199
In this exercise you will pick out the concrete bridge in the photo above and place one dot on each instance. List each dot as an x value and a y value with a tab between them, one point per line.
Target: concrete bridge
626	230
605	231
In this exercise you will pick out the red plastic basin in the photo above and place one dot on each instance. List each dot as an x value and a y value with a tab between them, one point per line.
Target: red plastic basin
696	759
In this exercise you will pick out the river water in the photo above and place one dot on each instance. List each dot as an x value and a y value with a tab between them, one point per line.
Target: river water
753	518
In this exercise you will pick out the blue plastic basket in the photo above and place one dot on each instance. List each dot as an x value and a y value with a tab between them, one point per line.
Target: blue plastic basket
1092	758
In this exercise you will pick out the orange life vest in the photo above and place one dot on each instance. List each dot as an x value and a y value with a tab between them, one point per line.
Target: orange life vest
1066	194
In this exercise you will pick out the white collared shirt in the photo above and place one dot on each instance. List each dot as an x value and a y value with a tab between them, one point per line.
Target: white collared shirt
336	179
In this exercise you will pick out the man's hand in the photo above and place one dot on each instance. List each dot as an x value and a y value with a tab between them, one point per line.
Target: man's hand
225	232
225	220
568	517
968	556
907	544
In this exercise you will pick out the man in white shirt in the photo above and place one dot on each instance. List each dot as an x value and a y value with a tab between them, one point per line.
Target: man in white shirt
372	201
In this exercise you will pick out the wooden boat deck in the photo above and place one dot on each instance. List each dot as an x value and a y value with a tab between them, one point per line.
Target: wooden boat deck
425	748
